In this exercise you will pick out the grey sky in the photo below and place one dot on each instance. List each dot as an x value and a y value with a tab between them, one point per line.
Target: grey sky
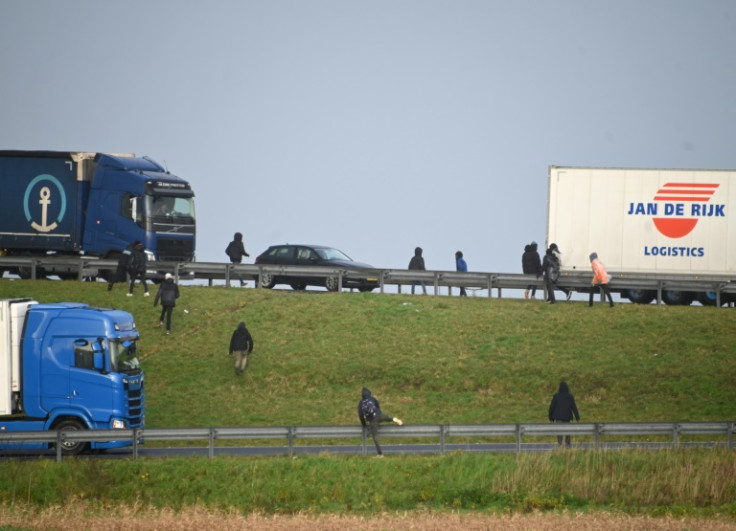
374	126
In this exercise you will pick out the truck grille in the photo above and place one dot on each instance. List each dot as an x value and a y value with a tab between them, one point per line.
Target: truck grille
175	250
135	407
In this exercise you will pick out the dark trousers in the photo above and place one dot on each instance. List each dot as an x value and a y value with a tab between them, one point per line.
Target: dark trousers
375	421
559	437
166	310
606	292
550	290
142	277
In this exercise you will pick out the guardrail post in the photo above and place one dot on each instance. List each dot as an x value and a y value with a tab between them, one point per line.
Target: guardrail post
212	443
80	271
443	429
339	280
597	435
227	276
675	432
731	428
58	447
518	438
291	441
135	443
364	438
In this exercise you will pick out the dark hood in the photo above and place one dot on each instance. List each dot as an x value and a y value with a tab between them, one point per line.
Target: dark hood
418	251
366	392
241	326
238	236
564	388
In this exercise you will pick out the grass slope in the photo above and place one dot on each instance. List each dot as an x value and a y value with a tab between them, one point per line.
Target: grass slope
429	360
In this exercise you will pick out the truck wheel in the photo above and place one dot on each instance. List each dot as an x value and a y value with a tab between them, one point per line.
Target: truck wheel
677	298
708	298
266	281
68	447
641	296
332	283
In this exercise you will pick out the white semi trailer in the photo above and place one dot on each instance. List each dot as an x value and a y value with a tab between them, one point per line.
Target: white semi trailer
646	221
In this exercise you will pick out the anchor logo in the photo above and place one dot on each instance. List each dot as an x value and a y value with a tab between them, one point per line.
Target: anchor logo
47	203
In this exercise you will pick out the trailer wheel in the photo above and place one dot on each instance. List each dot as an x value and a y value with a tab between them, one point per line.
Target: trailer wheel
641	296
708	298
69	447
677	298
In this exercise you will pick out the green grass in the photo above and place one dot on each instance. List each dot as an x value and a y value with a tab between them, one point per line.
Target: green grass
430	360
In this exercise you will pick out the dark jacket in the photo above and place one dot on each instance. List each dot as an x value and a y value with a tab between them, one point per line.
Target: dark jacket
121	272
235	249
241	339
531	264
550	266
417	262
137	263
168	292
563	405
367	395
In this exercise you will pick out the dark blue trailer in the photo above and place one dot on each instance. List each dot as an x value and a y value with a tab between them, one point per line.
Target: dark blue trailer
93	204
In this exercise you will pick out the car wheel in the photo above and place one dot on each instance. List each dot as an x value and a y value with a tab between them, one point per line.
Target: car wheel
266	281
332	283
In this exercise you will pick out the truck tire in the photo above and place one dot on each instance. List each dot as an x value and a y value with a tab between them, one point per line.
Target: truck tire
71	448
641	296
677	298
708	298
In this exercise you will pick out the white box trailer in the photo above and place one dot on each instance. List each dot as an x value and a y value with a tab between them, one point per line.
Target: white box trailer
658	221
12	317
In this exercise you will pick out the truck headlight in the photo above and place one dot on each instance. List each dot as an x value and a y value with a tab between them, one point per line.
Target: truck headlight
118	424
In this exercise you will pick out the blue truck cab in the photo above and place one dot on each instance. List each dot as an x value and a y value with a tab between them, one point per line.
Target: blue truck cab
68	366
93	204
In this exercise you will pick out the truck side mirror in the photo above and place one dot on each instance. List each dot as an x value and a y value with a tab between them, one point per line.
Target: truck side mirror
99	355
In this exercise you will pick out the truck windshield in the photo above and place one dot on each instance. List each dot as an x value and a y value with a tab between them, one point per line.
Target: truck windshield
168	206
123	355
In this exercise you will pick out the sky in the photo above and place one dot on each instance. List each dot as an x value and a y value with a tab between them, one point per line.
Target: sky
374	127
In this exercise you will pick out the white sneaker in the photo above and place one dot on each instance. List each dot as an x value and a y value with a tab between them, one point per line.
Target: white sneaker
146	294
398	421
129	295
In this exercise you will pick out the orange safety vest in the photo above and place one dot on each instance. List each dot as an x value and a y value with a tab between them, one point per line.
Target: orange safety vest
599	272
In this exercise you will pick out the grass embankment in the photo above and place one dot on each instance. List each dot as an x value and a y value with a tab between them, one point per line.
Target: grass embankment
429	360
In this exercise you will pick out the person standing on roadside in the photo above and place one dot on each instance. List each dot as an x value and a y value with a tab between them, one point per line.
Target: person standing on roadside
417	264
241	344
600	278
369	413
236	251
137	268
167	293
562	408
121	272
461	266
531	264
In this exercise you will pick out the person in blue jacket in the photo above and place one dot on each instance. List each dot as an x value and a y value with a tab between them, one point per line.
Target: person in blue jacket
462	266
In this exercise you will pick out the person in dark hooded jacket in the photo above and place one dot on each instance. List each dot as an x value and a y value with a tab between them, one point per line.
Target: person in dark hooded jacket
167	293
137	266
531	264
369	412
562	408
121	272
241	344
417	264
236	251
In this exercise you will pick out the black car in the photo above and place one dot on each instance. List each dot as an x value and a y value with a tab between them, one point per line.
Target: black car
312	255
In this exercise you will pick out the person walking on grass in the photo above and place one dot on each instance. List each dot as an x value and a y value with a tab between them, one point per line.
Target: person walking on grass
562	408
370	415
167	293
600	278
137	268
121	272
241	344
236	251
531	264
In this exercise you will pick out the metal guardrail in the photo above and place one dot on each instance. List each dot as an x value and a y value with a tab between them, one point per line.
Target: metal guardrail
85	267
517	432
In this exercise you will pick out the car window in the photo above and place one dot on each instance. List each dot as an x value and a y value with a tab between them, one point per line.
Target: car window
283	253
305	254
333	254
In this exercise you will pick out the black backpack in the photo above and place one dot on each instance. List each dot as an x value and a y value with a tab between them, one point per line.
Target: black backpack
368	408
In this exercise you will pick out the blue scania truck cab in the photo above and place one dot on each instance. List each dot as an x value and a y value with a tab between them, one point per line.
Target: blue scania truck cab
68	366
93	204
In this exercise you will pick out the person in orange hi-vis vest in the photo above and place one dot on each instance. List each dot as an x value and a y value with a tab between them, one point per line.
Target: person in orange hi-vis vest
600	278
